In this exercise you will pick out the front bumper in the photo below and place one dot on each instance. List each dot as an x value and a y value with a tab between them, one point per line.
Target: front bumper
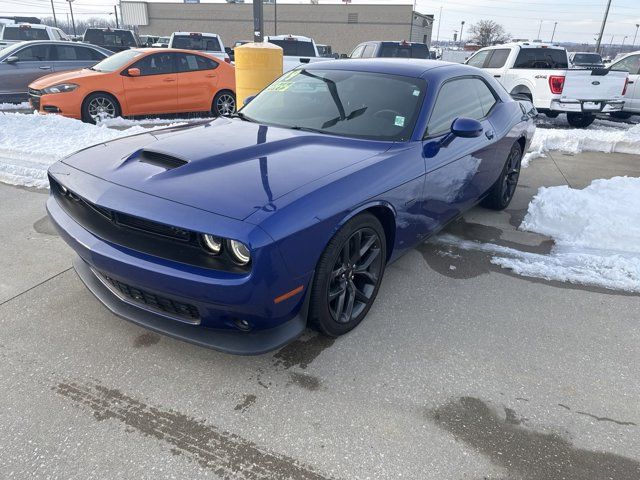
580	106
65	104
220	299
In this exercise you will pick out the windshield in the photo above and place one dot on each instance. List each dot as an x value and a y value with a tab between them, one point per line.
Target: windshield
116	61
341	102
196	42
24	33
404	51
587	58
110	38
7	50
295	48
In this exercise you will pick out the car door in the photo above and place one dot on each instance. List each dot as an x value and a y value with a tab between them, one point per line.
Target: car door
74	57
197	80
33	62
630	64
459	174
155	91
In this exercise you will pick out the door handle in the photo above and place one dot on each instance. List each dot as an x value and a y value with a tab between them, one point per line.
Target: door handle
497	76
489	134
44	68
211	75
169	80
630	82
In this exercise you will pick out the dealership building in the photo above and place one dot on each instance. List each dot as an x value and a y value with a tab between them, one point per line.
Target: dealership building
342	26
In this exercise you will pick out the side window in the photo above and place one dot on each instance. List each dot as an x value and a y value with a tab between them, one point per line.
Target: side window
193	63
485	96
66	53
156	64
498	58
630	64
36	53
545	58
88	54
479	58
368	51
56	34
456	98
357	53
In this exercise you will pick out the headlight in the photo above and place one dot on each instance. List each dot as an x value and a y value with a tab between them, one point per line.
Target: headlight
61	88
213	244
240	252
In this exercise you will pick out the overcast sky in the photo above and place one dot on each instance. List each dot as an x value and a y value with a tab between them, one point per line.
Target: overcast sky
578	20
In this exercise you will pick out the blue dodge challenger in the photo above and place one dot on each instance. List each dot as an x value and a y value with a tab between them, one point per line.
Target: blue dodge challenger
239	232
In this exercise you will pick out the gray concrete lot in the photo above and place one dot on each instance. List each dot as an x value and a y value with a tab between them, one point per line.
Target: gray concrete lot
468	372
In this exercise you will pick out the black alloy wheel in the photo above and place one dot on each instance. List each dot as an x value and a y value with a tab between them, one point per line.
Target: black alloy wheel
348	276
504	189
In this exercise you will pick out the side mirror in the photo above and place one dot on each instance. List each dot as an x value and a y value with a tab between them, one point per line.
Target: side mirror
12	59
460	127
248	100
133	72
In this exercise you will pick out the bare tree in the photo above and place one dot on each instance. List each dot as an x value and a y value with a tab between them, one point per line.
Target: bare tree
81	24
487	32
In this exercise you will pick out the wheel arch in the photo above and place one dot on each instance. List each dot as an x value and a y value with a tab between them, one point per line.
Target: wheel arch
111	94
386	215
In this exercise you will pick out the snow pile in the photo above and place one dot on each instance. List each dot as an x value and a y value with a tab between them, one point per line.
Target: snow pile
596	232
29	144
15	106
120	122
600	137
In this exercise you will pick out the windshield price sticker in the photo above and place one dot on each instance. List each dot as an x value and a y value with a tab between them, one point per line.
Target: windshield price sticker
416	93
399	121
279	86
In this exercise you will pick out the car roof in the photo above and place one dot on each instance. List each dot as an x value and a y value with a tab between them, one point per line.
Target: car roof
31	25
392	66
204	34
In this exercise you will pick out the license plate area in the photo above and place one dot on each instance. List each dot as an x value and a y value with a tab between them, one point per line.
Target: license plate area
591	106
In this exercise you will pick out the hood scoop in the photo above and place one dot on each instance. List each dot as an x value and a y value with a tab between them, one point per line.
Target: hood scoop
159	159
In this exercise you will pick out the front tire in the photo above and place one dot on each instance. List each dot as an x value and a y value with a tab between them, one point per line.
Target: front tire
580	120
502	192
224	103
348	276
99	106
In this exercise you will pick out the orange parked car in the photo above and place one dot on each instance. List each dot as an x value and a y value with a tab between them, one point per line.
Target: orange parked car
139	82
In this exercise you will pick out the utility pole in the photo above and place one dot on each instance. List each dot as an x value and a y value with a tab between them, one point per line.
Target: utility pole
440	23
539	30
72	20
554	31
55	20
115	11
634	37
604	22
461	29
258	21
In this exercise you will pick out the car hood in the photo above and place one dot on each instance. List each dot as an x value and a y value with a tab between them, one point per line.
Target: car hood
227	166
62	77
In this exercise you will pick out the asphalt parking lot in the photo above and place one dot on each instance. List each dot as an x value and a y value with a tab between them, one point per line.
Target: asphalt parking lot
462	370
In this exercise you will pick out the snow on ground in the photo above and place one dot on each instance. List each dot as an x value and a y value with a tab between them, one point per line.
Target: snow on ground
596	232
30	143
120	122
15	106
602	136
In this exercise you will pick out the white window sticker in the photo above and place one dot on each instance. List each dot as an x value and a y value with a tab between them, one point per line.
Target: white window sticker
416	93
399	121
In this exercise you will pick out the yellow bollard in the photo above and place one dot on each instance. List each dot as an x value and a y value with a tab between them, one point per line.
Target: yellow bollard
257	65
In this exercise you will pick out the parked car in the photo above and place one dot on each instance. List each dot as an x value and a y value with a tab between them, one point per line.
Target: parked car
629	63
237	233
203	42
114	39
402	49
231	51
541	72
585	60
139	82
24	62
20	32
325	51
297	50
148	40
162	42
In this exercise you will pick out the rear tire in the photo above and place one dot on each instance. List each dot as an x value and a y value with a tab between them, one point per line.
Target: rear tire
552	114
100	105
348	276
580	120
224	103
502	192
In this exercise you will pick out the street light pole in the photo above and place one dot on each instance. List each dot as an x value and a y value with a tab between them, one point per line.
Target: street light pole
604	23
554	31
461	29
72	20
275	17
634	37
115	11
258	21
539	29
55	20
440	23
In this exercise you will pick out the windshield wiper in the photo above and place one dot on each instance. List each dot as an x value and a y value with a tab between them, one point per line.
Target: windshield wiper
351	116
241	116
307	129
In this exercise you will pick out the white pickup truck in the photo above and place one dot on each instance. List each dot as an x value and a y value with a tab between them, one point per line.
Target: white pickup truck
204	42
11	33
541	73
297	50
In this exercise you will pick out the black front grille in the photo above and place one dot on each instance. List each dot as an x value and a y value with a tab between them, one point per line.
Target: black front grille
33	91
152	301
35	100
